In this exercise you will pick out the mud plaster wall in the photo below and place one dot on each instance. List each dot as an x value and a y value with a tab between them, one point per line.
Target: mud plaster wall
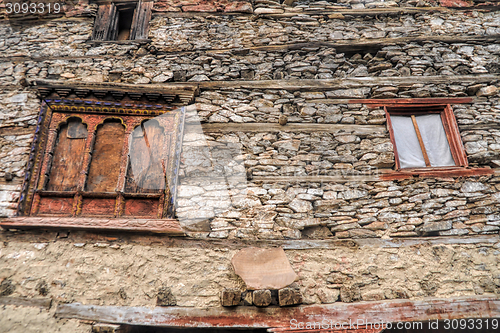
78	269
34	320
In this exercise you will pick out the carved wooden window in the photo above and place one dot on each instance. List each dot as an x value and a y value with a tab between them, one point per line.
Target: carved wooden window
122	20
425	137
102	160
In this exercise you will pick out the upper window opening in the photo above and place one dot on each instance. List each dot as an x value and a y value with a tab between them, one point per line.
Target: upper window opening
125	18
122	20
425	137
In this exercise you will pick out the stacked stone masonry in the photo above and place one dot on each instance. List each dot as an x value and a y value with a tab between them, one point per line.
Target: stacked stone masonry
318	180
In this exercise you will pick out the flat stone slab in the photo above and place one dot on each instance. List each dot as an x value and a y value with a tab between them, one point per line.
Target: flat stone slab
263	268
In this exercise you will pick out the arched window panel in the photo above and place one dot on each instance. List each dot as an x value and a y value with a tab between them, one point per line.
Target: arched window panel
146	172
68	156
106	156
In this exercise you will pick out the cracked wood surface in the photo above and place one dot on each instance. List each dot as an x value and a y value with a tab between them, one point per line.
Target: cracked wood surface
276	317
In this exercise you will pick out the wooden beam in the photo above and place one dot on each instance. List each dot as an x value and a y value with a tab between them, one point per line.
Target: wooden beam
82	236
10	129
380	174
414	101
168	227
420	141
479	127
318	179
180	89
391	11
276	317
22	301
348	83
356	45
289	127
291	85
437	172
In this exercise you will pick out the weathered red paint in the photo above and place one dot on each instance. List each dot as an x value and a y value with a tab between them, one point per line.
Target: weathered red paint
455	3
141	207
55	206
359	329
436	172
203	6
276	317
169	227
98	207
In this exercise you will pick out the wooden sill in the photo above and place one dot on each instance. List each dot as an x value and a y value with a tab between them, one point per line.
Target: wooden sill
121	42
170	227
436	172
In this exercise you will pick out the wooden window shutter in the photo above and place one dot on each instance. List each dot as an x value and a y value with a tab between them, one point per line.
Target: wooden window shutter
106	156
140	23
67	158
105	23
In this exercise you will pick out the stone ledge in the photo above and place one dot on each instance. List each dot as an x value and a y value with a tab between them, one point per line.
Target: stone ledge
169	227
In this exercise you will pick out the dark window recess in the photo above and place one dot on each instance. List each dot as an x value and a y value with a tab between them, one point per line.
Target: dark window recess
122	21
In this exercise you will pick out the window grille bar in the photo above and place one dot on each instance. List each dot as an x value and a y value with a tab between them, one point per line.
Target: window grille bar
420	141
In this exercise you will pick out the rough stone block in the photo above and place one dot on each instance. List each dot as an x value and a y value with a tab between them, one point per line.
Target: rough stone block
262	297
289	296
7	287
435	226
165	297
350	293
230	297
247	298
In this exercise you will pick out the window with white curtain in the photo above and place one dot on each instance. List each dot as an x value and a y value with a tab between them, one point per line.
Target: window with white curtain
425	137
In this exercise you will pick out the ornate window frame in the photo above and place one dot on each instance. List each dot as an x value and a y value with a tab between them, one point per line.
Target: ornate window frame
93	106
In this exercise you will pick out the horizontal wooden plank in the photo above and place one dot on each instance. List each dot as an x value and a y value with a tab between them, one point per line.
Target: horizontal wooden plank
348	83
290	127
317	179
168	227
479	127
274	317
413	101
293	85
16	130
355	45
435	172
22	301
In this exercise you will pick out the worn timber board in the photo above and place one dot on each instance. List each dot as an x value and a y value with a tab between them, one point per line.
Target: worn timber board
379	311
22	301
290	127
299	85
165	226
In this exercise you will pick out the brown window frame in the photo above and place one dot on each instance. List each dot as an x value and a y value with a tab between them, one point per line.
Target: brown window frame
106	24
450	127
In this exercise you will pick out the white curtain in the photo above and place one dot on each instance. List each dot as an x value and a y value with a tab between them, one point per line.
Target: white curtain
434	138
